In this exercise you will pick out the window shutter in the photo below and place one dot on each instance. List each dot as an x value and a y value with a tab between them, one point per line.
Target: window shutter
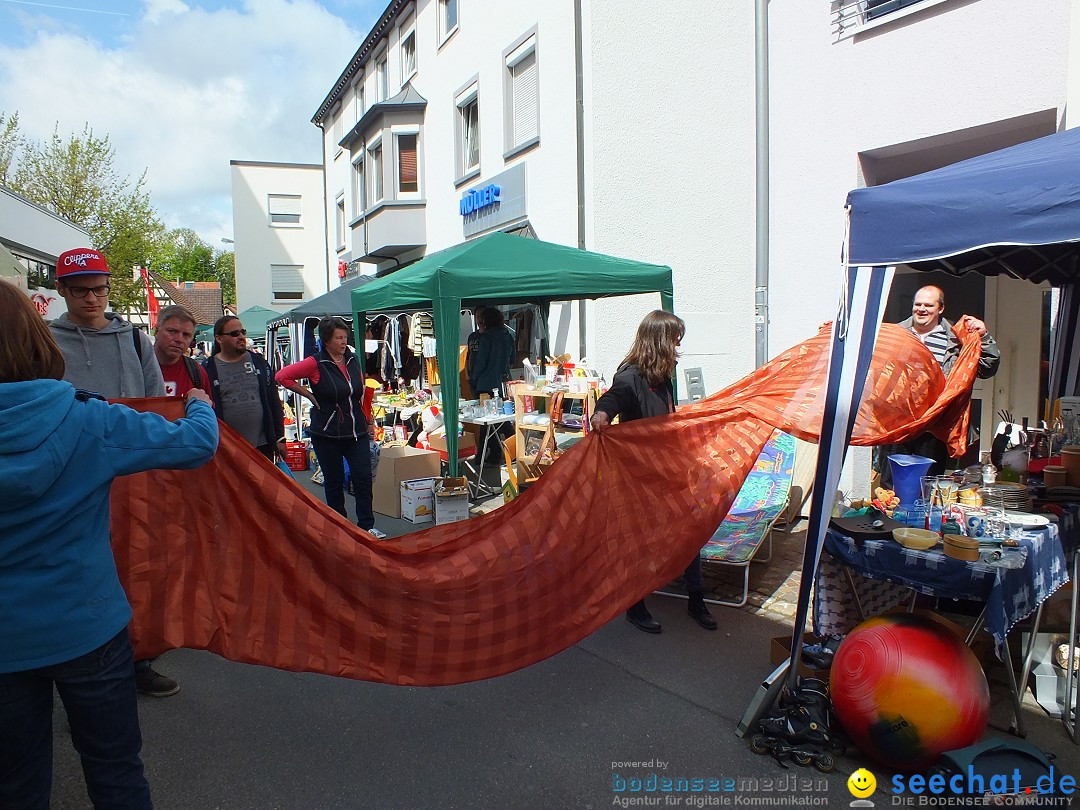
526	118
285	208
407	163
287	281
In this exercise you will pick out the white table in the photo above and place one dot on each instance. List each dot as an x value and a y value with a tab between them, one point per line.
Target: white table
491	425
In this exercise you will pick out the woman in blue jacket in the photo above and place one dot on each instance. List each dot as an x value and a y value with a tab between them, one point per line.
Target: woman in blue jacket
63	613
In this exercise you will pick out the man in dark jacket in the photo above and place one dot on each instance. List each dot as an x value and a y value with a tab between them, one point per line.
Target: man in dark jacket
243	389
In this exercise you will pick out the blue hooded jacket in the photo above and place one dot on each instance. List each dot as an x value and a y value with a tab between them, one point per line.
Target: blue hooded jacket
60	596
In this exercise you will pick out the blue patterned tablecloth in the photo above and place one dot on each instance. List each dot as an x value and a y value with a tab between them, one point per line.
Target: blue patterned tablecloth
885	572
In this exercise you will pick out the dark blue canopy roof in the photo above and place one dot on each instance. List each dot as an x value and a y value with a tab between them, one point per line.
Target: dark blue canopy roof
1015	211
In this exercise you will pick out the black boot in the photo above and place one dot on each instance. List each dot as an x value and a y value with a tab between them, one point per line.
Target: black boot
639	616
698	612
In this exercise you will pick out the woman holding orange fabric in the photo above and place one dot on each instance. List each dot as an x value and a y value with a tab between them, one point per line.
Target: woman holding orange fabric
642	388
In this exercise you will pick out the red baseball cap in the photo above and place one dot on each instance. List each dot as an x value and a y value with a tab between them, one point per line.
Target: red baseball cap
81	262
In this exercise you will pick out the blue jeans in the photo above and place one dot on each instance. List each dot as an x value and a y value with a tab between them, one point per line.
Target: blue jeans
332	453
98	692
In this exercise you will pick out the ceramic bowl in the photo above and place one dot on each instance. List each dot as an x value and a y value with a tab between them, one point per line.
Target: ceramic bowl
920	539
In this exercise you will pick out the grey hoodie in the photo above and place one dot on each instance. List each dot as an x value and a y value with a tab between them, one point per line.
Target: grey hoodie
104	360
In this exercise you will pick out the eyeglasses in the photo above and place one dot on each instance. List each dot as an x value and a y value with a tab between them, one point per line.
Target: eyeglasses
235	332
83	292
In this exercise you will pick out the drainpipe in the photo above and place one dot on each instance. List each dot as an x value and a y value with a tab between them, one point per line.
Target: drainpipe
579	115
761	275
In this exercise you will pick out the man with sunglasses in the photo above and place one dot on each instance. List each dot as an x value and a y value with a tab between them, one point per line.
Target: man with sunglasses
243	389
103	352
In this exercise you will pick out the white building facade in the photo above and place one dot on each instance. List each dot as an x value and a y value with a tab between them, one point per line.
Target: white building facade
451	96
279	231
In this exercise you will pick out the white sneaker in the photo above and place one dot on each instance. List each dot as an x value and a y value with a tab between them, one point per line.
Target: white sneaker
378	535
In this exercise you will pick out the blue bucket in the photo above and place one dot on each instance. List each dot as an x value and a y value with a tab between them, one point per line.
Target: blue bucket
907	475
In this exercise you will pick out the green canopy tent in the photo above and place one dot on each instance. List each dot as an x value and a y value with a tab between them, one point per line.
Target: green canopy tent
505	269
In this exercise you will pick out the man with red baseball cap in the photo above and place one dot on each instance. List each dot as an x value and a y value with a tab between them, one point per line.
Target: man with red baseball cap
105	354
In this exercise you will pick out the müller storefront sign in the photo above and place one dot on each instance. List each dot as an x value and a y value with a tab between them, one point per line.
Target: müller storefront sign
494	202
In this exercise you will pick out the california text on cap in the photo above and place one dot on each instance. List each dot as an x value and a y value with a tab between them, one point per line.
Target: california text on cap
81	262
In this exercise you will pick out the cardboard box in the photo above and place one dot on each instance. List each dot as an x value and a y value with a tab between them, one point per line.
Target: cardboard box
451	500
780	650
418	500
397	464
466	444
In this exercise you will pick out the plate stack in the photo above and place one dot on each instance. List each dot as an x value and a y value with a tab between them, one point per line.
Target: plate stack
1007	495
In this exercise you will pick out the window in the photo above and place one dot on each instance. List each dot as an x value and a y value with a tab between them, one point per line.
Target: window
358	188
339	220
382	81
448	21
522	96
408	178
375	171
284	209
468	131
287	282
408	51
358	99
879	8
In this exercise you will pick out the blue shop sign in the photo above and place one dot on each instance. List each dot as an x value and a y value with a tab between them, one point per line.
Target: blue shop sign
478	199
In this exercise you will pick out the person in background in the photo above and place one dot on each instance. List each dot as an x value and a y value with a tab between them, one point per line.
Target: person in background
243	389
339	429
63	613
172	341
642	388
936	333
472	346
494	355
105	354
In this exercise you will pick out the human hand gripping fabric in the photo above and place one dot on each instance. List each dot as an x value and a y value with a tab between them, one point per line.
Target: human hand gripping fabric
600	420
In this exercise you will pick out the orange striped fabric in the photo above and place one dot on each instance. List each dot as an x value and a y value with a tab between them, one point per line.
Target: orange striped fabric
237	559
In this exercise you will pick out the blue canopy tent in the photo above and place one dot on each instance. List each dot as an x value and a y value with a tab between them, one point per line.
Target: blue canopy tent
1015	212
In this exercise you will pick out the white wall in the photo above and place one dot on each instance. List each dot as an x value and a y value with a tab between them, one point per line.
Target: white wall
30	229
670	169
259	245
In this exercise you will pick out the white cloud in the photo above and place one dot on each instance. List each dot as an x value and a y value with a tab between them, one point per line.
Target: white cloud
186	91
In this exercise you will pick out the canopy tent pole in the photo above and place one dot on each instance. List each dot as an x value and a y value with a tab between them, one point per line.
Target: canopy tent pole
447	312
862	306
1064	359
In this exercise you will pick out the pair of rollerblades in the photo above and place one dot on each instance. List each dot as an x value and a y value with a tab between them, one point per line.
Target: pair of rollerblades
801	728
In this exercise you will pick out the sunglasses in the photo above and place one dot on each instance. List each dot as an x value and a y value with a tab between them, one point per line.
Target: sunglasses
235	332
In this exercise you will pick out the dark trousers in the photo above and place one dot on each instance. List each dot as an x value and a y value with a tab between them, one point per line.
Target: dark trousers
98	692
332	453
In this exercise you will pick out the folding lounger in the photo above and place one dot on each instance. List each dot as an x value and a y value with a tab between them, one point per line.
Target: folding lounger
761	501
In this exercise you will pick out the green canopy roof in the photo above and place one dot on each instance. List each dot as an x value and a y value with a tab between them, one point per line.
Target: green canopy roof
501	268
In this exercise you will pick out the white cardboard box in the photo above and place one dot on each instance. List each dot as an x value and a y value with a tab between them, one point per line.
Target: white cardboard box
418	500
451	506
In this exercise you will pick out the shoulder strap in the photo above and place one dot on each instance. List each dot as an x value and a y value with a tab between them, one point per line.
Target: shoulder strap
193	371
136	338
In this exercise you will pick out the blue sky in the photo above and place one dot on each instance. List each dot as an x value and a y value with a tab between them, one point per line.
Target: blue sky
181	87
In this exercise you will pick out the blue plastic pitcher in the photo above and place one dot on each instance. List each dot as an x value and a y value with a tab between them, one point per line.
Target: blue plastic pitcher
907	475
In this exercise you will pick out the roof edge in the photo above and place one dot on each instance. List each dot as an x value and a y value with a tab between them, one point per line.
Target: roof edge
374	35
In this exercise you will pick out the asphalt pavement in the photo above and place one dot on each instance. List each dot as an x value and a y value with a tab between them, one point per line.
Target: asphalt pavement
569	732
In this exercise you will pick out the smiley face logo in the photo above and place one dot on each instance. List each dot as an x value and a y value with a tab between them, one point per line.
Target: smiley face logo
861	783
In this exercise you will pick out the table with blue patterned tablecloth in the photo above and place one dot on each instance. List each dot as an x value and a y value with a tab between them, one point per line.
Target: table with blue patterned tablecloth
885	573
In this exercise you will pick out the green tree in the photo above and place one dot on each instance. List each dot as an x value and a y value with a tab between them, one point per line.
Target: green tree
9	144
75	178
182	255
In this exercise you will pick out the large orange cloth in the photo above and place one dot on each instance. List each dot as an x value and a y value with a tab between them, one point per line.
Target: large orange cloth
237	559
